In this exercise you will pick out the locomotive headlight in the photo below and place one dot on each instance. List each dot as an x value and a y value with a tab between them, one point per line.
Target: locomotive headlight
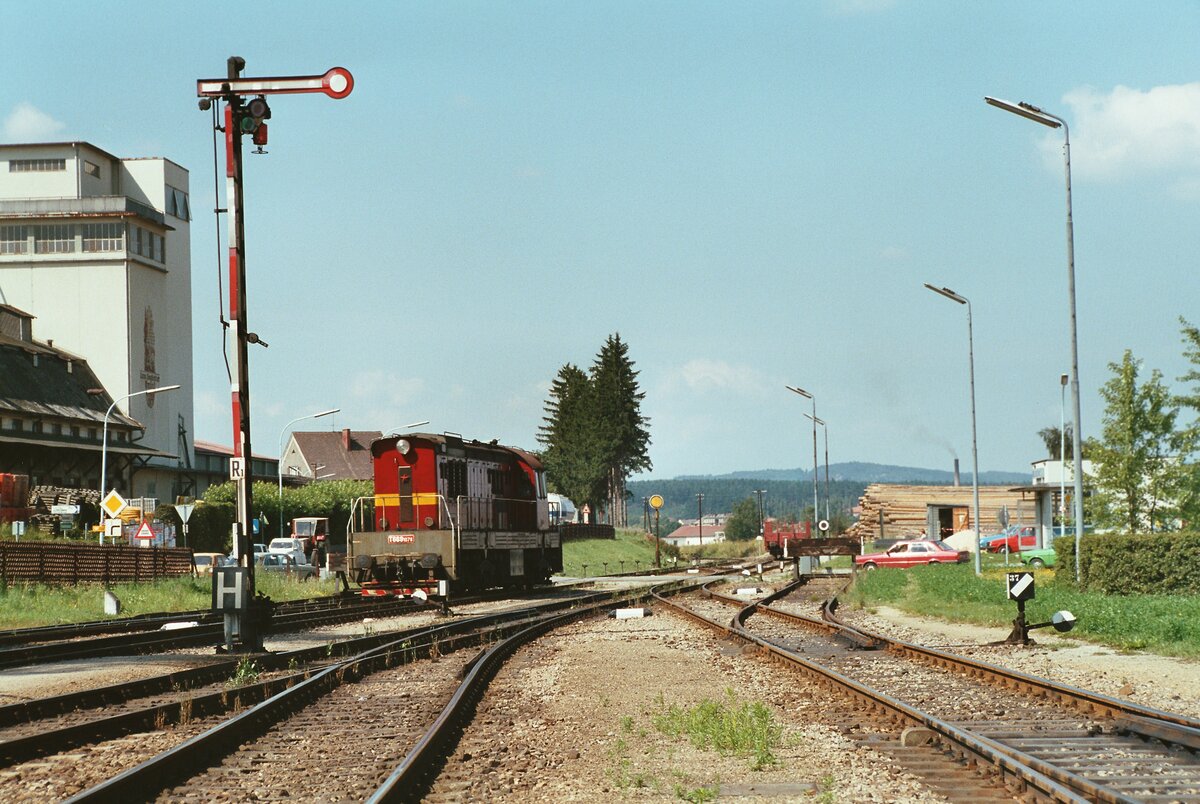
402	446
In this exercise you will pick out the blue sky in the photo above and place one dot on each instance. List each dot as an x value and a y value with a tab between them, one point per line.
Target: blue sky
752	194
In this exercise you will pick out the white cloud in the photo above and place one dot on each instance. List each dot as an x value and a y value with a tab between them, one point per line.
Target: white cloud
27	123
1129	132
383	388
702	374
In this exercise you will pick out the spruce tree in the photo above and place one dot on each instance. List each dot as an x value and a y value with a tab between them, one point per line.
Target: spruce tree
570	441
623	437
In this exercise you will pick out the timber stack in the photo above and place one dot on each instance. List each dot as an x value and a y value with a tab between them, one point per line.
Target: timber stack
901	512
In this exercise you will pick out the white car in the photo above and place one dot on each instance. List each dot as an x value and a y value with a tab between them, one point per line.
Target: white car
289	547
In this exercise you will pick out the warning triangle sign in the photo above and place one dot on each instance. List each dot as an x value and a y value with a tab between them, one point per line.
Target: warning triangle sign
145	531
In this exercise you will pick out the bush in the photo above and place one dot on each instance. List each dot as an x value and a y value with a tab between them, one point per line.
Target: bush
1134	564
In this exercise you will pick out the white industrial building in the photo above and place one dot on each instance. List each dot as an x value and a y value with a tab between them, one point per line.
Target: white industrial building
97	249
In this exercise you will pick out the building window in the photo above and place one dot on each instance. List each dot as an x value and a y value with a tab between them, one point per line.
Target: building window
55	429
103	237
91	169
14	240
177	203
36	165
74	431
53	239
37	425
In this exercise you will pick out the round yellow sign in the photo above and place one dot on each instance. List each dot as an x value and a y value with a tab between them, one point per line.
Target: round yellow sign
656	501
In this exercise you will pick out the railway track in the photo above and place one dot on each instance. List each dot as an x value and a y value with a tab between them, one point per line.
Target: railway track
158	633
357	759
1033	736
191	633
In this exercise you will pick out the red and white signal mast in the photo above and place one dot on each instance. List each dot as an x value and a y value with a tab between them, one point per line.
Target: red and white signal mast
233	591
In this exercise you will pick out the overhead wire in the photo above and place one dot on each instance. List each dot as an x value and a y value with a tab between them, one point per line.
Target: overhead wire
217	210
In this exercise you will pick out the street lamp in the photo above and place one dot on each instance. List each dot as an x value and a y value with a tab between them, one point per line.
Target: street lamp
807	395
398	430
1062	451
700	514
104	438
279	464
825	430
954	297
1031	112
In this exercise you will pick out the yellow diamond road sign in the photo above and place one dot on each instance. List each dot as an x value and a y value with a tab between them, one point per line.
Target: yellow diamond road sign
113	503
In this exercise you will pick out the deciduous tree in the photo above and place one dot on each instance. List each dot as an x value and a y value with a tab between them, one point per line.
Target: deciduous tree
1140	469
742	524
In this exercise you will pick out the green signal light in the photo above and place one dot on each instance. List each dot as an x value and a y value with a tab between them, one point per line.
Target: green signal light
247	124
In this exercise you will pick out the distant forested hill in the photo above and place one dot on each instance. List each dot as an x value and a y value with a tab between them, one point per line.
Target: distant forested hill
790	491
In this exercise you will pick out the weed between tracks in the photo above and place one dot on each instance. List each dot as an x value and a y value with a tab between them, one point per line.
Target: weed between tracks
185	711
247	672
728	726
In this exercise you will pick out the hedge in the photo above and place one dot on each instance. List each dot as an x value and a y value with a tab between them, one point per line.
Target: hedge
1135	564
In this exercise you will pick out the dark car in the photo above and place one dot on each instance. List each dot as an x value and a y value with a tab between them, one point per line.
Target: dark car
912	553
281	562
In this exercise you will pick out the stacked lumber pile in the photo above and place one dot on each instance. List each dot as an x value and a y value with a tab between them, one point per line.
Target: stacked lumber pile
902	510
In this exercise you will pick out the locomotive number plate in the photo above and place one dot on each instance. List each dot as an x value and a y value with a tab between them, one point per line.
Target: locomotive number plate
401	538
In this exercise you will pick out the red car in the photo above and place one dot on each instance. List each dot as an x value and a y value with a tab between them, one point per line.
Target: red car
910	553
1014	539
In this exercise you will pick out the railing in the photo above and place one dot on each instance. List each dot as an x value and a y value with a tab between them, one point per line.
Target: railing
362	516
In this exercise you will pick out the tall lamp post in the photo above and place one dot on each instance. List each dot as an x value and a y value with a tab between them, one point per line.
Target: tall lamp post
807	395
104	437
952	296
700	514
279	465
825	431
1062	452
1031	112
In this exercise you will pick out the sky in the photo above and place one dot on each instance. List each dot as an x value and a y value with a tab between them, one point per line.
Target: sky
751	194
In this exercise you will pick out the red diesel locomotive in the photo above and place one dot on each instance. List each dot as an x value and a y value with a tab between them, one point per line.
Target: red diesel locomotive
451	515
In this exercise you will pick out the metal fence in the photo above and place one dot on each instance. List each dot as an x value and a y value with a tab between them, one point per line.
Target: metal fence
54	563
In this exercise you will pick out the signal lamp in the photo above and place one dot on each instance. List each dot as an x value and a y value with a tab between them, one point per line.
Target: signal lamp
258	109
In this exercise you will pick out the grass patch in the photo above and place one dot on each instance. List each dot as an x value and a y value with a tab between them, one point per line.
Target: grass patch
30	605
636	549
631	546
1164	624
729	727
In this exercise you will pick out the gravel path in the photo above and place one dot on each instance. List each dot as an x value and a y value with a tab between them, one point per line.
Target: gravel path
571	719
